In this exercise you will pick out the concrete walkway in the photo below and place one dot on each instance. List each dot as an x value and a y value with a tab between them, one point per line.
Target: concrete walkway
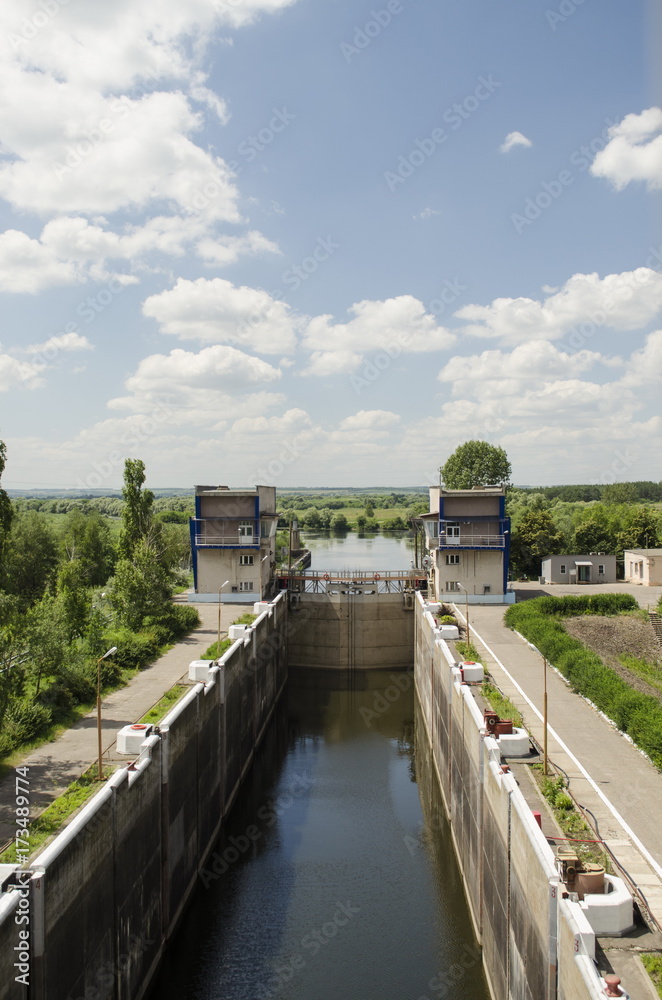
608	775
55	765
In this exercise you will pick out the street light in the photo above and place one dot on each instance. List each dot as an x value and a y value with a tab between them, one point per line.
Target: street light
294	526
218	641
466	593
110	652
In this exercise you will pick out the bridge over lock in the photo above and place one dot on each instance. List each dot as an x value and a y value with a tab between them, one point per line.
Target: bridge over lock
346	619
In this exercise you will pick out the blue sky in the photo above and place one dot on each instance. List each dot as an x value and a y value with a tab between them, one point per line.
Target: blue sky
324	243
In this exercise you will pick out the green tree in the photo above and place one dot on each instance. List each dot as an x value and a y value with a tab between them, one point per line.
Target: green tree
12	651
476	463
6	509
619	493
369	510
137	513
74	598
594	536
141	586
339	523
30	558
642	531
311	519
536	537
86	539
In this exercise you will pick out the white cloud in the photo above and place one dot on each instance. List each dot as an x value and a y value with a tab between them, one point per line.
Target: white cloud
28	266
370	420
114	44
20	374
224	250
63	342
645	365
188	378
514	139
79	151
216	310
502	374
393	327
427	213
624	301
634	151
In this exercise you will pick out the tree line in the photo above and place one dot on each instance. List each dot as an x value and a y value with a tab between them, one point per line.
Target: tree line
69	593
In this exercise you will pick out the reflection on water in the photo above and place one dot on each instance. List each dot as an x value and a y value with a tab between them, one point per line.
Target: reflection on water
354	551
330	882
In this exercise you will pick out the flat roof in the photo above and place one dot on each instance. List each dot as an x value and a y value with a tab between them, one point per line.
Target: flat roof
474	492
645	552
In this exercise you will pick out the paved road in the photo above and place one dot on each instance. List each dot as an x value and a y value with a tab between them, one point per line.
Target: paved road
620	772
55	765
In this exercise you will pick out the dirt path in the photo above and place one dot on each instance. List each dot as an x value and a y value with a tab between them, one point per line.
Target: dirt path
609	636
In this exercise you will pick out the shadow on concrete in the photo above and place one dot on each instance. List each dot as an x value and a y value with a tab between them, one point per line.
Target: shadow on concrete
528	595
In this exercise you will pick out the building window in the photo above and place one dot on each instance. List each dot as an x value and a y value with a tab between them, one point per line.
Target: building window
453	559
562	569
487	589
601	568
245	560
246	529
452	586
245	585
452	529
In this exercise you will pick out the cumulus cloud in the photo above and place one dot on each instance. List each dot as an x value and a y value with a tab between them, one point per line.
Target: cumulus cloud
514	139
634	151
215	309
112	45
645	365
64	342
393	326
503	373
370	420
28	266
623	301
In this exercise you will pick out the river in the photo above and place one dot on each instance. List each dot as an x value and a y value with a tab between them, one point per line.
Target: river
354	551
331	882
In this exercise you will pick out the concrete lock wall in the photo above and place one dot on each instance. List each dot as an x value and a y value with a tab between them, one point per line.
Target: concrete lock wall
10	943
352	630
108	892
533	948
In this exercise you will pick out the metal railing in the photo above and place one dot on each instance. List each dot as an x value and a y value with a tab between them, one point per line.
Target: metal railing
468	541
354	581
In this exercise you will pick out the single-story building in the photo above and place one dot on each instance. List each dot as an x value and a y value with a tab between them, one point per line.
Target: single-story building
592	568
643	566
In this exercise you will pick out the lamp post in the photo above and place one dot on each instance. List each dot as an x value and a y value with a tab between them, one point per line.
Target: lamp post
544	712
294	526
466	594
218	637
110	652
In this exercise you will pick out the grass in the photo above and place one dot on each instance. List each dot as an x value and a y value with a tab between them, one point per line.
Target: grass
572	823
652	963
216	649
649	672
468	651
501	705
54	817
164	704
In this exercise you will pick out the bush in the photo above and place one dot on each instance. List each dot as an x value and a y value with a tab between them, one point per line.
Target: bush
23	721
134	649
447	620
540	621
173	623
